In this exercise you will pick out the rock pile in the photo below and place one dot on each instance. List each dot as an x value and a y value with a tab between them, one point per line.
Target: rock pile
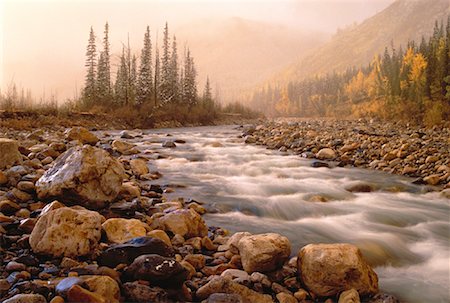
112	237
421	153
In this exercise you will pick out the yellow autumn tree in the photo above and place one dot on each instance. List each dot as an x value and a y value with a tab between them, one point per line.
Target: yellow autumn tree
284	104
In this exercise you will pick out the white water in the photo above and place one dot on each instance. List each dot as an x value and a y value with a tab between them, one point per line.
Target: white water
405	234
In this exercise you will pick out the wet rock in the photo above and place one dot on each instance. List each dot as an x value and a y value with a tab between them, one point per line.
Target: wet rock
26	298
3	178
160	234
185	222
125	135
82	135
349	296
233	242
26	186
223	298
70	232
85	175
317	164
9	153
432	179
158	270
15	266
78	294
169	144
360	187
326	154
104	286
264	252
130	250
120	230
328	269
129	191
283	297
139	167
27	225
383	298
65	284
8	207
235	274
124	148
224	285
196	260
136	292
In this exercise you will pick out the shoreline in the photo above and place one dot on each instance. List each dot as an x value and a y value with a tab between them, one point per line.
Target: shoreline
420	153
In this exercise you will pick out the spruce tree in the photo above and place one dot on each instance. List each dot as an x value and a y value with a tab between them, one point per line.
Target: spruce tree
156	90
165	85
89	92
189	84
120	86
104	71
173	72
144	86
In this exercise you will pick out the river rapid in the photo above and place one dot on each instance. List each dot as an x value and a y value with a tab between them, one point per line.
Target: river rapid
402	230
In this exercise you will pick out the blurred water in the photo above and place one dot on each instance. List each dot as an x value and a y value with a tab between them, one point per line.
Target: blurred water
402	230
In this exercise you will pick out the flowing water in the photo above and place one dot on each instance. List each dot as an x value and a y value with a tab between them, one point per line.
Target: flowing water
402	230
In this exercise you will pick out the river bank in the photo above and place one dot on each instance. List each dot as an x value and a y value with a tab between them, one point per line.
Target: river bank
396	148
91	224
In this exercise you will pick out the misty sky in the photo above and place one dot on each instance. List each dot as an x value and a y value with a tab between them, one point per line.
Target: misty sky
43	42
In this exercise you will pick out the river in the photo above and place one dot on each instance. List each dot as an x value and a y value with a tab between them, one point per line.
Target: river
402	230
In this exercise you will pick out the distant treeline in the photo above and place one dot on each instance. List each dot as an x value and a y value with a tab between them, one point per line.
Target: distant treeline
411	84
160	87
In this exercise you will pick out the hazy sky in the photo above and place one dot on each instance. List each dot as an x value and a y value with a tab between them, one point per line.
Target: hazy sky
43	42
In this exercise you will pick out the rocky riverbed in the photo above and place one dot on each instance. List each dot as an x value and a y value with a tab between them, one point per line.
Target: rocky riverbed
420	153
80	222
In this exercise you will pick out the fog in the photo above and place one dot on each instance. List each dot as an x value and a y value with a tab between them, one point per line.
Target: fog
43	42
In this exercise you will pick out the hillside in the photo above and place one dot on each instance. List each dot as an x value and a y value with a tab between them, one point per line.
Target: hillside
238	53
402	21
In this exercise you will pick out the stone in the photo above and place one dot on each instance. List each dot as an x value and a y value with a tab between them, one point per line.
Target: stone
383	298
83	175
169	144
232	243
26	298
127	252
328	269
431	159
326	154
78	294
185	222
82	135
160	234
3	178
129	191
263	252
9	153
120	230
137	292
57	299
139	167
432	179
104	286
26	186
283	297
301	294
124	148
317	164
196	260
8	207
232	273
360	187
15	266
224	285
27	225
51	206
158	270
223	298
65	284
69	232
349	296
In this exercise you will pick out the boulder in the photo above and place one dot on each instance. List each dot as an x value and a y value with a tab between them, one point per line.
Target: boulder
83	175
78	294
158	270
223	298
120	230
264	252
26	298
233	242
328	269
169	144
82	135
139	167
9	153
185	222
224	285
126	253
69	232
160	234
124	148
326	154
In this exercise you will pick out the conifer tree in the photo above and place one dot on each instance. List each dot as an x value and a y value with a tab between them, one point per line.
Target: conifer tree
156	89
89	92
174	84
144	86
165	85
189	82
121	86
104	71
